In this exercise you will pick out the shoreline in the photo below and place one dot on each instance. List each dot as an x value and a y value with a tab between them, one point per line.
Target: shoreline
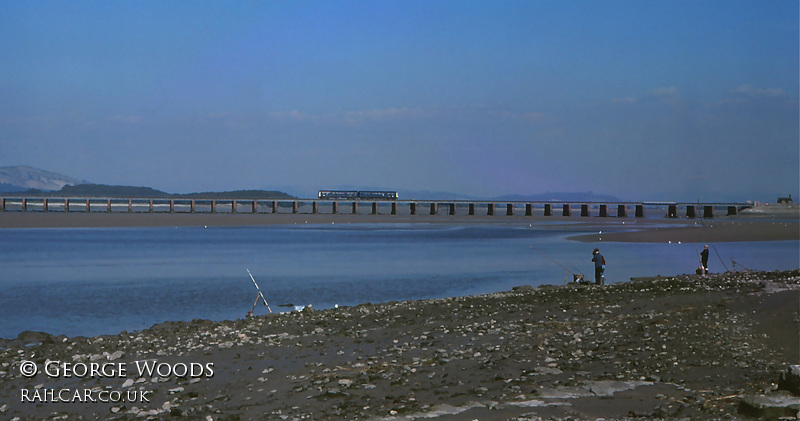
721	229
661	347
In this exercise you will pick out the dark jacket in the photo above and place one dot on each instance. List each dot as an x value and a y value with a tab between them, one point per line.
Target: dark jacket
598	260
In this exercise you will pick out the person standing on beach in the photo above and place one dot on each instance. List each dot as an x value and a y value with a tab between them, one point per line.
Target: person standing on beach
599	266
704	259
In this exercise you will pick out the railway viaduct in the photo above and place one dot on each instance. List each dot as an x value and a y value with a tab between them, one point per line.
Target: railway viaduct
368	207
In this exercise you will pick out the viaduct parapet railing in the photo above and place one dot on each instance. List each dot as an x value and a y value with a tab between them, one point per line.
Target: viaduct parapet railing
368	207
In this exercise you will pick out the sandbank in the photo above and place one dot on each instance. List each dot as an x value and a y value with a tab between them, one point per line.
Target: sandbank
636	230
714	231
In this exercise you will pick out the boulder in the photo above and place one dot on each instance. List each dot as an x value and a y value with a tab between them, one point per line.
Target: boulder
790	380
32	338
772	406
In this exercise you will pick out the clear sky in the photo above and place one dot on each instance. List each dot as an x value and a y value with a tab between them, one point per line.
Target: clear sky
645	100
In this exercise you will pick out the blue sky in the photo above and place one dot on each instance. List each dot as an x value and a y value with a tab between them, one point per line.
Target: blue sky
645	100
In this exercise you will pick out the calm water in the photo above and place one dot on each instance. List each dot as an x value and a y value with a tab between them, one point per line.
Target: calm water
101	281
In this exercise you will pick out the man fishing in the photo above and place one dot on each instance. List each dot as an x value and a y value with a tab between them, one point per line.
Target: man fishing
599	266
704	259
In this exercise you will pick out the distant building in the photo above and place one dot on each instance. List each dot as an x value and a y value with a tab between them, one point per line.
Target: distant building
785	200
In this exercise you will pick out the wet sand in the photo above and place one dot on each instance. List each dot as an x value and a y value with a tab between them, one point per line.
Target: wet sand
102	219
708	231
688	347
642	230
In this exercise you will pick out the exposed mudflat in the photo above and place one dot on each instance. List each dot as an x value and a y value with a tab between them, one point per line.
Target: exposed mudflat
717	231
672	347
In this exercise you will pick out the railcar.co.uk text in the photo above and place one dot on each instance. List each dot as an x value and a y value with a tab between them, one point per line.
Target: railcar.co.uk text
143	369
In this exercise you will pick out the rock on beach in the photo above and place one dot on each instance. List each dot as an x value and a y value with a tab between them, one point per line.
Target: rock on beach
665	347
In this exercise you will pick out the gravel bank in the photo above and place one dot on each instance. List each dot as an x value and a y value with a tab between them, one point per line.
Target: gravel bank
672	347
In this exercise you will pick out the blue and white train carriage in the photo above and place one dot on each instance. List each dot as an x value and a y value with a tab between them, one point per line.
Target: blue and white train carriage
357	195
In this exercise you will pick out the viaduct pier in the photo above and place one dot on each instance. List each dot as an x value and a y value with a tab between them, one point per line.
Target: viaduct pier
369	207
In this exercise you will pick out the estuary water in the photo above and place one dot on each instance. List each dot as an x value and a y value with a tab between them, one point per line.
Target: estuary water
85	282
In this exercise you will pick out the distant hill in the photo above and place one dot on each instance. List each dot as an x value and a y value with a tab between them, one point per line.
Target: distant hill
10	188
240	194
28	181
22	178
102	190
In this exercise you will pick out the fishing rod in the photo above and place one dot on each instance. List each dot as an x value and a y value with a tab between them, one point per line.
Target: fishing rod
260	294
720	258
734	263
715	249
575	275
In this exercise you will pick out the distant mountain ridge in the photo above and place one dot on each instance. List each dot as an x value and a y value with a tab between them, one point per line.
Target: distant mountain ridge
22	178
29	181
102	190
